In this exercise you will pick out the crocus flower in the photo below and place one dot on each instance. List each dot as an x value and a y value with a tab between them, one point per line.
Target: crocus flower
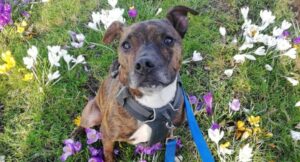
92	135
158	11
254	120
295	135
291	53
293	81
132	12
53	76
25	14
193	99
95	152
215	135
222	31
96	159
148	150
5	14
77	40
245	154
208	100
235	105
228	72
197	56
285	33
268	67
71	147
179	144
27	77
215	126
296	40
297	104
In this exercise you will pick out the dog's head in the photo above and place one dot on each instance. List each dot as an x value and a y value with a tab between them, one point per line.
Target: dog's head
150	52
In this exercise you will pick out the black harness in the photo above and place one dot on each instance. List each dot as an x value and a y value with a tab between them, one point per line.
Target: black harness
159	119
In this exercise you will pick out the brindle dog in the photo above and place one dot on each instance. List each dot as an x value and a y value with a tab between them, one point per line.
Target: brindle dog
149	59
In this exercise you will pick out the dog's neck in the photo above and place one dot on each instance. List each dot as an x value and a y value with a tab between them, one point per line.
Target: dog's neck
158	97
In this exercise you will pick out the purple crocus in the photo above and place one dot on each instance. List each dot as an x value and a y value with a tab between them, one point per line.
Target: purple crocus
132	12
92	135
215	126
96	159
179	144
235	105
5	14
71	147
193	99
285	33
148	150
297	40
208	100
95	152
25	14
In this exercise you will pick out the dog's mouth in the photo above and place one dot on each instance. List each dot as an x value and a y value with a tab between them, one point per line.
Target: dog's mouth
157	79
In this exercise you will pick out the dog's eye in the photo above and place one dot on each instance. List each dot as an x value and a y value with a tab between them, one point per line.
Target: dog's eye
126	45
168	41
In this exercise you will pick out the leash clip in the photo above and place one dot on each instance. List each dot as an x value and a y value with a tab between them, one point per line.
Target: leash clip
171	128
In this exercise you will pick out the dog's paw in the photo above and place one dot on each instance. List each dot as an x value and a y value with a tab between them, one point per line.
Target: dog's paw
143	134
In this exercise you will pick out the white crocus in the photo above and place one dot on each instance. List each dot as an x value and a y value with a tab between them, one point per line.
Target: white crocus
244	12
291	53
80	37
107	17
260	51
197	56
295	135
28	61
245	46
250	57
53	76
239	58
77	45
267	18
293	81
93	25
277	31
96	17
245	154
225	151
297	104
268	67
112	3
285	25
228	72
158	11
215	135
222	31
283	44
33	52
79	60
53	55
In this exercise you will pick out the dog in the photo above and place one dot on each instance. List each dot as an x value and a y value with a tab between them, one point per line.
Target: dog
141	101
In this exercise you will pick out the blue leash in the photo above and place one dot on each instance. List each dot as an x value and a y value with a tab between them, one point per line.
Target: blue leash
199	140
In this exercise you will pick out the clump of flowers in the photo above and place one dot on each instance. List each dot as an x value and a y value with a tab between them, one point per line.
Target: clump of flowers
55	53
77	40
9	62
5	14
106	17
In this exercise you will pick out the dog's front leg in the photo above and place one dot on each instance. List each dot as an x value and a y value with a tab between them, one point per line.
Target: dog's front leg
108	149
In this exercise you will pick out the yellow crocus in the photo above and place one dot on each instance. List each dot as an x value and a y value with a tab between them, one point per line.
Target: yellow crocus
77	121
8	58
240	125
24	23
256	130
254	120
247	133
225	145
3	69
28	76
20	29
269	134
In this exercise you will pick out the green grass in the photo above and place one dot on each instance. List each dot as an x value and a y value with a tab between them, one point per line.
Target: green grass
36	121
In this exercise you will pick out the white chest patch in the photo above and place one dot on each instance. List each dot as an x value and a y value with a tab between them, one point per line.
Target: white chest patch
158	97
154	99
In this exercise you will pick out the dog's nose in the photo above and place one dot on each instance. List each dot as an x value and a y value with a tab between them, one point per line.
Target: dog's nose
144	65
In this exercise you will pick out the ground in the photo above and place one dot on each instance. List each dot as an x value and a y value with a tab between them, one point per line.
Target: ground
35	120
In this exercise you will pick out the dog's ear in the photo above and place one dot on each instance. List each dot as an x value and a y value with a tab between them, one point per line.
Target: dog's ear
178	17
113	32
